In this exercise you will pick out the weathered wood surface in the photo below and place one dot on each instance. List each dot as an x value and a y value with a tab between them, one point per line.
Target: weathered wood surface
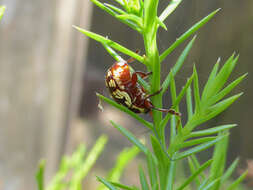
41	63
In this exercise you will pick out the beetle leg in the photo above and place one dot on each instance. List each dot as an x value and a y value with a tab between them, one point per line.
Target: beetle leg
142	74
171	111
149	105
153	94
130	60
134	79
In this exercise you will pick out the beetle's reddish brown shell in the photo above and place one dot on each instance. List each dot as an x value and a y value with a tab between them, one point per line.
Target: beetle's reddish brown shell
119	82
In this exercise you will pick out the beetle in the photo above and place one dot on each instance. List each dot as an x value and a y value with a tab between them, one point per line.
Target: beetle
124	88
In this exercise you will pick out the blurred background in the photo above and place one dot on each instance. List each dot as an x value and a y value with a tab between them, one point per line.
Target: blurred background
49	74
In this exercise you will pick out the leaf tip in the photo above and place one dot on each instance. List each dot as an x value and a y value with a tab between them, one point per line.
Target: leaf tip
246	74
76	27
218	9
3	7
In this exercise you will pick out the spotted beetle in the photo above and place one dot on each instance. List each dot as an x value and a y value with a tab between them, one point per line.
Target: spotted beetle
124	88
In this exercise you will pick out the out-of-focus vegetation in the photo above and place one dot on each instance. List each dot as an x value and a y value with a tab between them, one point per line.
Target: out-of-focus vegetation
2	9
73	169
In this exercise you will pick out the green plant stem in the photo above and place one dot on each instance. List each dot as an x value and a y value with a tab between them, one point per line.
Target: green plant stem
152	57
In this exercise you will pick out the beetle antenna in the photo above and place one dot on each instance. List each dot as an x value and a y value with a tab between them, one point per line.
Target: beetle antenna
130	60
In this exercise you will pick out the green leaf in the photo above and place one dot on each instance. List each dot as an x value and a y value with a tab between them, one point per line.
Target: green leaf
113	53
173	90
123	186
127	155
196	174
211	184
169	9
189	103
126	110
211	131
182	57
107	183
103	7
177	101
229	171
114	8
219	158
40	175
226	90
170	176
194	142
187	34
143	180
132	18
114	14
237	181
58	180
173	123
220	78
123	160
158	151
121	2
178	65
76	159
161	24
196	91
215	110
126	5
221	106
130	137
203	184
195	162
211	79
84	168
193	169
152	165
2	9
197	149
110	43
183	91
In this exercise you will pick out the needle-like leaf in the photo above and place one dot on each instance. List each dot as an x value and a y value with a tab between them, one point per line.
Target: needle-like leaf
177	65
169	9
193	176
126	110
130	137
107	183
110	43
210	131
143	179
198	148
187	34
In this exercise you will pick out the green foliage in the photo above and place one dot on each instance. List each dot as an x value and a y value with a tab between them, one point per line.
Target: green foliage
40	175
202	105
73	169
123	159
78	164
2	9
